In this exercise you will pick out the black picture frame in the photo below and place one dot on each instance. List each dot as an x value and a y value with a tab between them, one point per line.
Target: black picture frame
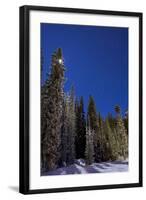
25	104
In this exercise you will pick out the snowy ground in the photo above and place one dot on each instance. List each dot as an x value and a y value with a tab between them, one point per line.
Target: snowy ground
80	168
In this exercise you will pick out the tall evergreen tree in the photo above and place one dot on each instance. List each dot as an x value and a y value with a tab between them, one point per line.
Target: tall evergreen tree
111	120
111	142
89	153
121	134
93	123
80	140
52	109
101	139
91	114
126	121
68	130
108	138
64	134
43	124
42	108
71	127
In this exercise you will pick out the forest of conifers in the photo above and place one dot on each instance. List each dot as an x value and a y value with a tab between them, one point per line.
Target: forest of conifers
68	133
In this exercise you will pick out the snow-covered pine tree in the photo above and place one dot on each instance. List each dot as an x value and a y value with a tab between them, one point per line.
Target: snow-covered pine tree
89	152
78	122
112	121
43	111
43	124
80	139
114	140
52	109
116	146
101	138
121	134
108	138
71	117
93	123
83	138
112	143
64	133
68	130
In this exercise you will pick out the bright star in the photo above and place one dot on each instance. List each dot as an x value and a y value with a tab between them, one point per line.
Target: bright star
60	61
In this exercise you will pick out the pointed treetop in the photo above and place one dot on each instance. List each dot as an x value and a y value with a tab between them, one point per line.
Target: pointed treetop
57	57
117	109
59	53
91	104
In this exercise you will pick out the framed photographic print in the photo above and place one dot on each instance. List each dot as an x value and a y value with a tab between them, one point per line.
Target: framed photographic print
80	99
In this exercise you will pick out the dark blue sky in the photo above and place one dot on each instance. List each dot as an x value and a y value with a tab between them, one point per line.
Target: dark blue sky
96	59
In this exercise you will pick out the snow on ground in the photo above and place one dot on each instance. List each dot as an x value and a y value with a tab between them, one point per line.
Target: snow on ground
81	168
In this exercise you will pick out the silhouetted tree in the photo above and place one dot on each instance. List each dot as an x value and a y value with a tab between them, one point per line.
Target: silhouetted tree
126	121
92	122
52	109
71	117
80	140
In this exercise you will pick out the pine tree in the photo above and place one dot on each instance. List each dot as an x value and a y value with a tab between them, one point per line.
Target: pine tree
80	140
78	122
112	142
116	146
71	127
89	153
68	130
43	111
108	138
64	134
93	123
121	134
52	109
126	121
112	121
101	138
43	124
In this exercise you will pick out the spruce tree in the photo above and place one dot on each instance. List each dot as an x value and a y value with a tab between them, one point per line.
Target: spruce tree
64	134
112	121
101	138
43	124
89	152
68	130
121	134
111	141
52	109
71	117
108	138
93	123
80	140
126	121
78	122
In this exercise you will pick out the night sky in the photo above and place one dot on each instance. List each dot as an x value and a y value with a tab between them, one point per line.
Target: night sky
96	59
